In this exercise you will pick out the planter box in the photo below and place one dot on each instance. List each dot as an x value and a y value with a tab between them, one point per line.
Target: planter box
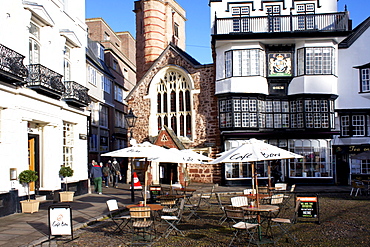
66	196
30	206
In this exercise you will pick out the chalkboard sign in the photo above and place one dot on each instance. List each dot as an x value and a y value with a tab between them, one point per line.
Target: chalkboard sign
154	192
308	209
60	220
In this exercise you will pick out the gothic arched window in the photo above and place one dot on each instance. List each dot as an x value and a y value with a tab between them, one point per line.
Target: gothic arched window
174	103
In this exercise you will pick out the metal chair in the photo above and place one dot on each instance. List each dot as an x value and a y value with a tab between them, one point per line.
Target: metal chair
121	221
219	201
193	208
242	225
174	220
285	224
358	186
142	224
207	198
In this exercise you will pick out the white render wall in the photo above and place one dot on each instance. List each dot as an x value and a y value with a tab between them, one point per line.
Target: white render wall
23	111
349	78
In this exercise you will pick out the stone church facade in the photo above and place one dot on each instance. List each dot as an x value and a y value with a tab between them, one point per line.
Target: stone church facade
175	90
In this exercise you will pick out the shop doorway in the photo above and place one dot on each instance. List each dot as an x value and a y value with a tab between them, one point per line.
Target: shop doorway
33	159
168	172
342	169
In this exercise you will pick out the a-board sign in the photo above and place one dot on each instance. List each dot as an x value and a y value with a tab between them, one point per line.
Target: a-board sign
154	192
60	220
308	207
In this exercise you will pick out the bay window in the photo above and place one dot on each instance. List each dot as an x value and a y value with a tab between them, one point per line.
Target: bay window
249	62
316	61
249	112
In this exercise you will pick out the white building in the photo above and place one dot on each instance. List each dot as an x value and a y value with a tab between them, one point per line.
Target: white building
43	98
276	80
353	105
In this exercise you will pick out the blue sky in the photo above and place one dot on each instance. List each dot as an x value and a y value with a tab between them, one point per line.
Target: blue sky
120	17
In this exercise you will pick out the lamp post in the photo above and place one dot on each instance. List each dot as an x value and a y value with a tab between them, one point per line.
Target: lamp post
131	121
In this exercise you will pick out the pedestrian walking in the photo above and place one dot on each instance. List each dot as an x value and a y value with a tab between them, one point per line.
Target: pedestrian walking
106	175
116	171
96	174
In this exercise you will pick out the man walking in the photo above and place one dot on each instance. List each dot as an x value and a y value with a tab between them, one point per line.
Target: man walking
116	171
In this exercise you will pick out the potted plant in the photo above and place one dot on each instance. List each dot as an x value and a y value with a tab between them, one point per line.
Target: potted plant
65	172
25	178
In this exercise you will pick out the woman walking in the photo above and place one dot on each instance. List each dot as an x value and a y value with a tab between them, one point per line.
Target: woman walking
96	174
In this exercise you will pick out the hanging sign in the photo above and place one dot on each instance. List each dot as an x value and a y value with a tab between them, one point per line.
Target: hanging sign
308	208
60	220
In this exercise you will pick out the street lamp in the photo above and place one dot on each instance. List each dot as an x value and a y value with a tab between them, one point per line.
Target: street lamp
131	121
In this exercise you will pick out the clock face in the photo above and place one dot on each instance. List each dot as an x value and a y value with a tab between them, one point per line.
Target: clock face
280	64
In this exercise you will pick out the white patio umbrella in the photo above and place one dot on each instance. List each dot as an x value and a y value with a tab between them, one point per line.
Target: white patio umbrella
254	150
184	156
148	151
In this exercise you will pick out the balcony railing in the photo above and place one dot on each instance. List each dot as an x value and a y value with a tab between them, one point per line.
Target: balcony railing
45	81
282	23
76	94
11	65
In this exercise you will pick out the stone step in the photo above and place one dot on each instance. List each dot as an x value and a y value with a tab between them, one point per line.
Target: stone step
40	198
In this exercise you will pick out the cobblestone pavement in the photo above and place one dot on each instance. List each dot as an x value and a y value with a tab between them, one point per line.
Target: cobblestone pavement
344	221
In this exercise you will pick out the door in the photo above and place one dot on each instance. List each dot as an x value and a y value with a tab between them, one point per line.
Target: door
168	173
33	163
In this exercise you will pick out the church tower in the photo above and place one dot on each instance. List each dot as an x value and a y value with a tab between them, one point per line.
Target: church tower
158	23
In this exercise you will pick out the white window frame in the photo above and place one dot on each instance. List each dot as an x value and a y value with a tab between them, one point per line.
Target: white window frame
67	63
34	43
91	75
248	62
316	61
358	125
365	80
68	144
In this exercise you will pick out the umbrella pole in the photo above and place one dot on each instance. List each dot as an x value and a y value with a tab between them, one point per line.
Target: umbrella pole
252	177
256	184
132	181
145	179
269	176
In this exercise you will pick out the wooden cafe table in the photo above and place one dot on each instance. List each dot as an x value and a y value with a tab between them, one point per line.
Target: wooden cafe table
153	207
258	210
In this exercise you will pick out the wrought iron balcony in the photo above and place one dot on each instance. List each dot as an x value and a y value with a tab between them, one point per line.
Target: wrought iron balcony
11	66
336	22
76	94
45	81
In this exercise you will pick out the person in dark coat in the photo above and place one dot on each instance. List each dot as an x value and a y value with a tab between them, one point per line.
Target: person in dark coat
97	175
